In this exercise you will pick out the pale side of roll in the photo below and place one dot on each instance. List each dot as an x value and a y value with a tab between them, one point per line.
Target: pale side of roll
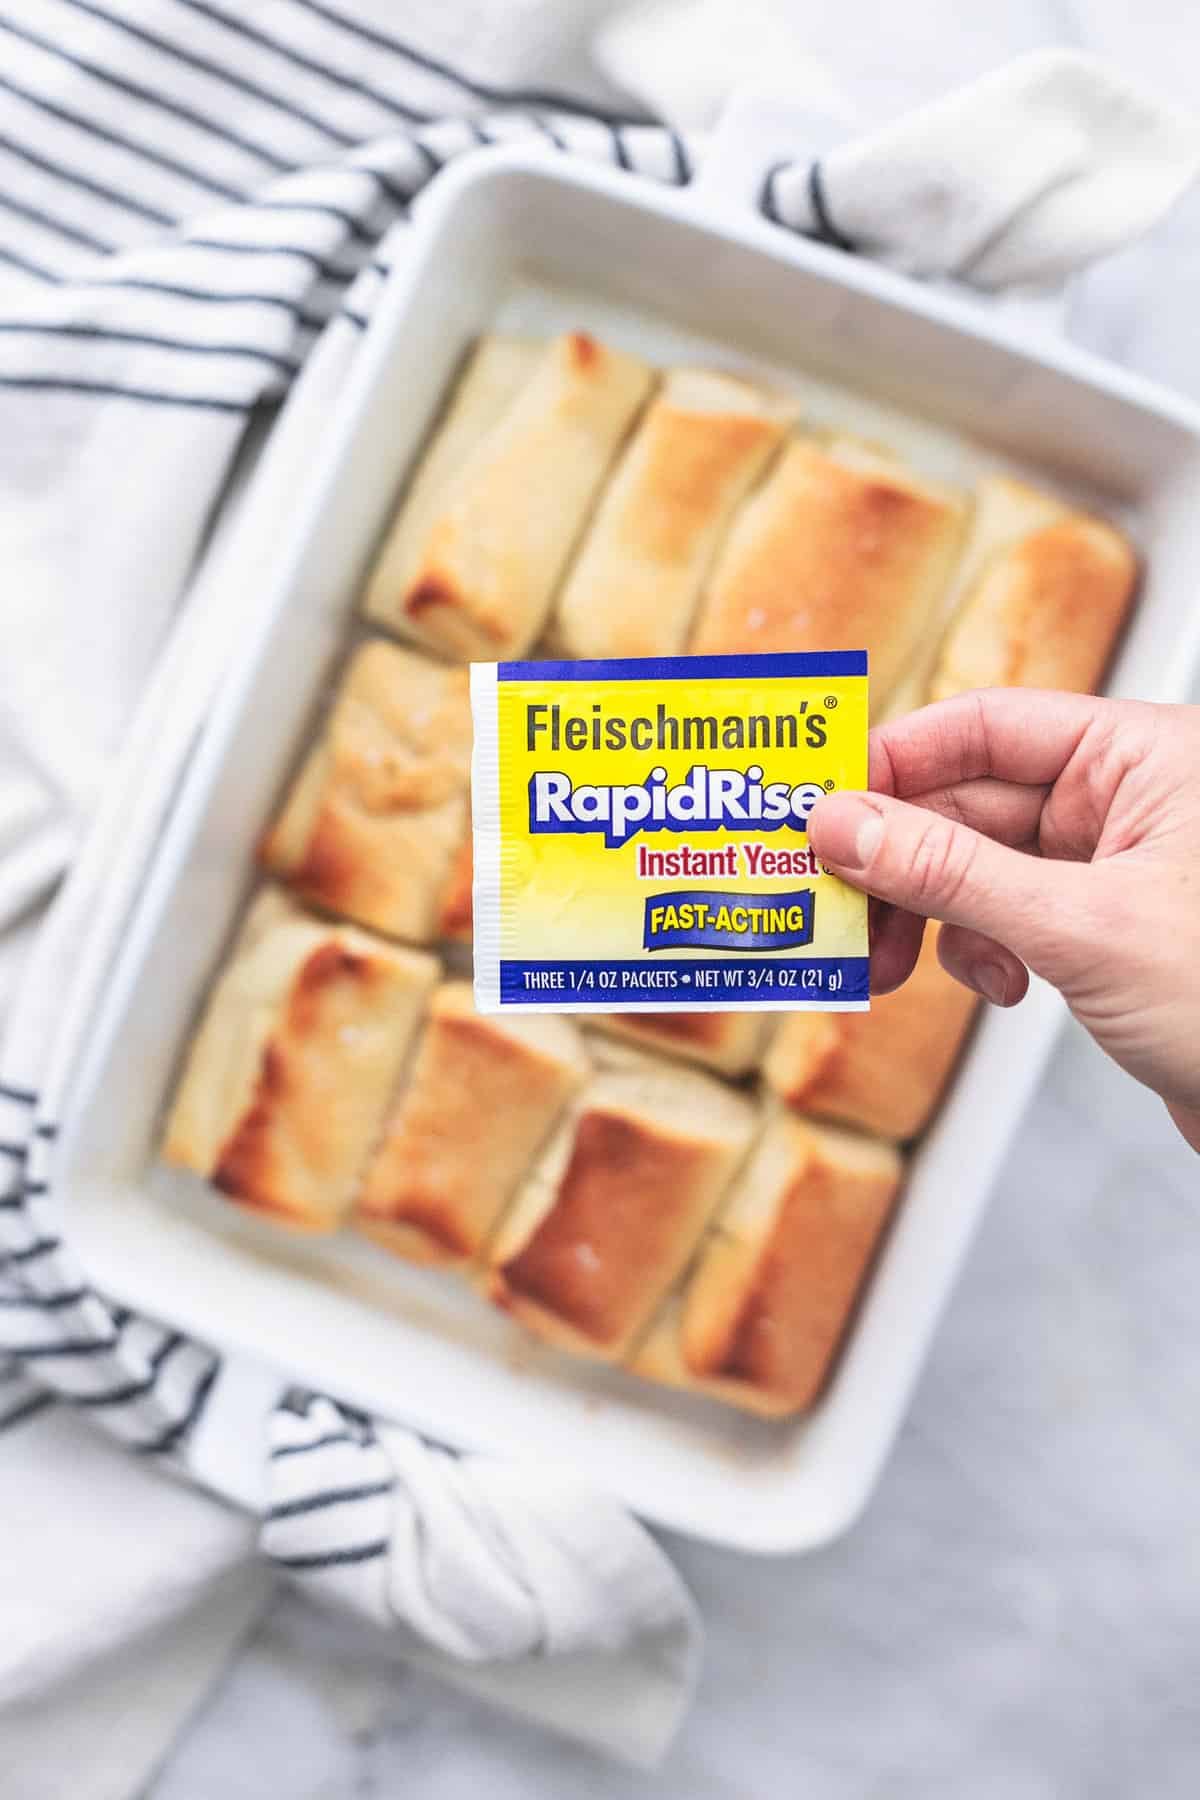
295	1061
1043	594
481	1099
701	445
767	1302
608	1218
376	824
498	537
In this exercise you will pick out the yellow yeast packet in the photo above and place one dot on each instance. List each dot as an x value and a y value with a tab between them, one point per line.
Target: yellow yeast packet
641	833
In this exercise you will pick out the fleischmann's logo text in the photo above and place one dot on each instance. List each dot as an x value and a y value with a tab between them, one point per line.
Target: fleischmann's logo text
547	729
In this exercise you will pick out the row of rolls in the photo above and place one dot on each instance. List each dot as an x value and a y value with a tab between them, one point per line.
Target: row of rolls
619	1204
698	1197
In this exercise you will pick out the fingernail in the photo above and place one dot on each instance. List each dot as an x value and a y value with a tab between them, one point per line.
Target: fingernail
991	980
848	830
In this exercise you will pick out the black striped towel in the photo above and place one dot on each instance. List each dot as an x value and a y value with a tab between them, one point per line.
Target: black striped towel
198	201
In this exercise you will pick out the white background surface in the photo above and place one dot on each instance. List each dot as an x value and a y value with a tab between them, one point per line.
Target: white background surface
1018	1615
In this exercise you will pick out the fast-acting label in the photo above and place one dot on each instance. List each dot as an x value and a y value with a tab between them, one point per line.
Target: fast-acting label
641	833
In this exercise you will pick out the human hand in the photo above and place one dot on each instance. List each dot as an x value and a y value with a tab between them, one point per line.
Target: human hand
1052	832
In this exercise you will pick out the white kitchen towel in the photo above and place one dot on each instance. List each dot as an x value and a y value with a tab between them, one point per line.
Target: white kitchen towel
1017	179
98	1561
141	326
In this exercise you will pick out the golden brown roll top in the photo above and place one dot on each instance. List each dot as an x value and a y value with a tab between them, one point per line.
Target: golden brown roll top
728	1042
494	542
767	1302
481	1100
840	549
1042	594
375	824
496	370
884	1070
297	1055
633	587
607	1220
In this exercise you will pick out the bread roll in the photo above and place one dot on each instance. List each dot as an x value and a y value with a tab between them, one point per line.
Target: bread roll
496	371
765	1307
482	1098
1042	594
840	549
490	555
455	913
378	816
726	1041
633	587
614	1208
299	1050
883	1070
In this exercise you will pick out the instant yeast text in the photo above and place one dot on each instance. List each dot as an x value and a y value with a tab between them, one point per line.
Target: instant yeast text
641	833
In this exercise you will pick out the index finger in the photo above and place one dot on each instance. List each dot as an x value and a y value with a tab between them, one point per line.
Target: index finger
1025	735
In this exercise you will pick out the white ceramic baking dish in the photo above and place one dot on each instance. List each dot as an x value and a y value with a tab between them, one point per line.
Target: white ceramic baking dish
515	237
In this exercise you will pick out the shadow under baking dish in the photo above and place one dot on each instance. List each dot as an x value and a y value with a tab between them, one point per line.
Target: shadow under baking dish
675	277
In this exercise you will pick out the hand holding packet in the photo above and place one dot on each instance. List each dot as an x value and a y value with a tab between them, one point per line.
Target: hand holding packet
641	833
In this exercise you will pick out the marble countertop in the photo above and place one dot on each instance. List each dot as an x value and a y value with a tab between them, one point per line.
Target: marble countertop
1017	1617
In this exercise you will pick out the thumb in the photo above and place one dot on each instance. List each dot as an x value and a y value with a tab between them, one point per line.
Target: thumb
930	865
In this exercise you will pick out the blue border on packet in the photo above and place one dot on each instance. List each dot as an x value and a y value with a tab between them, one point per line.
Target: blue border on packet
767	664
603	981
